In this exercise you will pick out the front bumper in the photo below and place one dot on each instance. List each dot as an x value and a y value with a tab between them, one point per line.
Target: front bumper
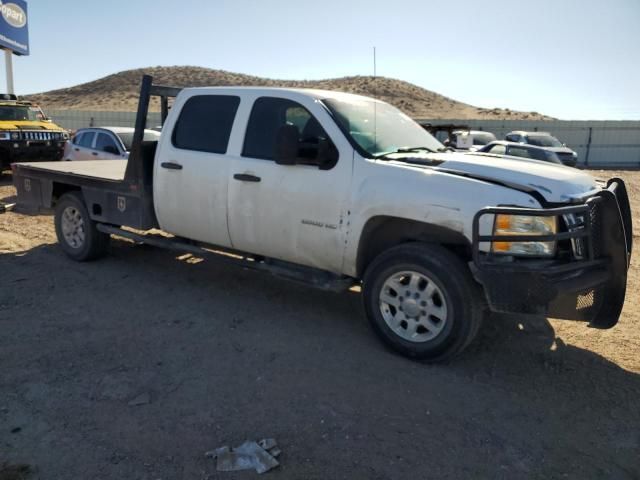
590	287
27	150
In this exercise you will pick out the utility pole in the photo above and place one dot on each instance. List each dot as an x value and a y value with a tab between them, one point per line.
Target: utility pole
8	61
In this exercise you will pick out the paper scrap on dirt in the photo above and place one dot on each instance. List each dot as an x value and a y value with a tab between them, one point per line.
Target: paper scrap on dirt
259	456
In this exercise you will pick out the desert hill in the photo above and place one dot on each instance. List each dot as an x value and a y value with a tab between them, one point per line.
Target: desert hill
119	92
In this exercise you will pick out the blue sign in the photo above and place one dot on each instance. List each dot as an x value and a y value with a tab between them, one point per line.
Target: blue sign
14	26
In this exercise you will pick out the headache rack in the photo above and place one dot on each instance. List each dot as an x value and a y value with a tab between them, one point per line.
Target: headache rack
136	171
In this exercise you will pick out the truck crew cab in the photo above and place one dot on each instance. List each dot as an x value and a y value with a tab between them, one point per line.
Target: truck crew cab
26	133
339	190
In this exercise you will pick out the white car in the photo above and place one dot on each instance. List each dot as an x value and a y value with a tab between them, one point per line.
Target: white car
103	143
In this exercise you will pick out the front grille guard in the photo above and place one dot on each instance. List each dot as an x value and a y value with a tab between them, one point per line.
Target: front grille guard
581	231
591	288
587	231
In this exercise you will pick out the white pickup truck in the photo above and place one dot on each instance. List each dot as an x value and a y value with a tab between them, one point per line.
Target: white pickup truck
338	191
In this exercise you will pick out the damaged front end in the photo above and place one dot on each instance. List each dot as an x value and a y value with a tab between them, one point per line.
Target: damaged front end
587	277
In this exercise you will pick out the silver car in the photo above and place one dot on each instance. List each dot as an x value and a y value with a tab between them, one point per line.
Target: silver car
547	141
103	143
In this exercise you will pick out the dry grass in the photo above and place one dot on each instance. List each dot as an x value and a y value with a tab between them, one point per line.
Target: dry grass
119	92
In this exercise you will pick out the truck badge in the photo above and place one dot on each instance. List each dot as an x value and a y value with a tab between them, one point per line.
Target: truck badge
122	204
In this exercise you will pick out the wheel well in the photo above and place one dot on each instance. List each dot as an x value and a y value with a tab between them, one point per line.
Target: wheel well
381	233
59	189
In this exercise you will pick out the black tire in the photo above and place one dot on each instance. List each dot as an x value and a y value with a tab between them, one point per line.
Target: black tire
456	290
94	244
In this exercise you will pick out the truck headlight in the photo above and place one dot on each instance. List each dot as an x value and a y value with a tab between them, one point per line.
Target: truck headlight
513	225
5	136
15	136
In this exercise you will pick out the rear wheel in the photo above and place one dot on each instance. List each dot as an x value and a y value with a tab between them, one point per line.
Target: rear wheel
422	301
76	232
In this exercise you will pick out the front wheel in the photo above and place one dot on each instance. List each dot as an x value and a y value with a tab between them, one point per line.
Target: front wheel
422	301
76	232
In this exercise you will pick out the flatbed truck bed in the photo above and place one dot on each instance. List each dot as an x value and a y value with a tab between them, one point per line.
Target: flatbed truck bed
108	170
117	192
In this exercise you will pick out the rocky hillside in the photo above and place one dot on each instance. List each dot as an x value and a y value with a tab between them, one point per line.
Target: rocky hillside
119	92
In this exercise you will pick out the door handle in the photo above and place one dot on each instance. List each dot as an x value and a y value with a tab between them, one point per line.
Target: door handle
171	166
246	177
95	154
77	149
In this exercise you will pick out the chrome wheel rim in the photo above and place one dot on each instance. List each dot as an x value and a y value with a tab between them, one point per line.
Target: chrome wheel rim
72	225
413	306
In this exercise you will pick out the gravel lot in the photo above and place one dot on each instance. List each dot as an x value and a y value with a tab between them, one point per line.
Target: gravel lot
225	355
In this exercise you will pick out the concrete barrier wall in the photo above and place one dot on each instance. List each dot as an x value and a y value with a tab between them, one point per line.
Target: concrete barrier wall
598	143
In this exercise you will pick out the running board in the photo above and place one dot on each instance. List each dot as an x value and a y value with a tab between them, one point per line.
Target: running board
297	273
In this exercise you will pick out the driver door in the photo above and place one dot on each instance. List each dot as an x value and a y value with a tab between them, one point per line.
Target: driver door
295	212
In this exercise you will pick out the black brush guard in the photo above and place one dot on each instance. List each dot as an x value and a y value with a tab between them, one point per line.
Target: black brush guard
589	286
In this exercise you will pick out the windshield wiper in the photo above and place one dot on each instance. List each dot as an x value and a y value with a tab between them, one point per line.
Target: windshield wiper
407	150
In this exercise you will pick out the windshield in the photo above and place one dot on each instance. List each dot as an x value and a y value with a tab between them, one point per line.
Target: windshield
21	113
544	141
378	128
483	138
127	138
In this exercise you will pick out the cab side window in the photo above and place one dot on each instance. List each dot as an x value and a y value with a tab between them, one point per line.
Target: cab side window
269	115
106	143
512	138
86	139
205	123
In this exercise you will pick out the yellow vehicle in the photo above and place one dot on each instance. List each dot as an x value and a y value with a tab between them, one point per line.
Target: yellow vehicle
27	134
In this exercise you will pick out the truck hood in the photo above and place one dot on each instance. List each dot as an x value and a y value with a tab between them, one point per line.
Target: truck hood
556	183
28	125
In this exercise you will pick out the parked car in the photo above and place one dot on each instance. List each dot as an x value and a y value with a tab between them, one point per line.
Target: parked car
500	147
321	187
469	139
103	143
547	141
27	134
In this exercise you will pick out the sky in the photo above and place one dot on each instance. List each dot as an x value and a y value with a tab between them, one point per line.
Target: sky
569	59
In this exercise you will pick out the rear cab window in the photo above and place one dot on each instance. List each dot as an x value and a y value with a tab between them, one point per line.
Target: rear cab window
205	123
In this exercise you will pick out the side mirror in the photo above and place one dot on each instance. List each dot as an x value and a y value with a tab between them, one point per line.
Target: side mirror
286	148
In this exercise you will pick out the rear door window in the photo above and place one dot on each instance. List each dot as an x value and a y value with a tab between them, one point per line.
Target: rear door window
205	123
86	139
498	149
519	152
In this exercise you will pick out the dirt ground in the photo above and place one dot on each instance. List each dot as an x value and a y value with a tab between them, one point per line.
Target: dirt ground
214	355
